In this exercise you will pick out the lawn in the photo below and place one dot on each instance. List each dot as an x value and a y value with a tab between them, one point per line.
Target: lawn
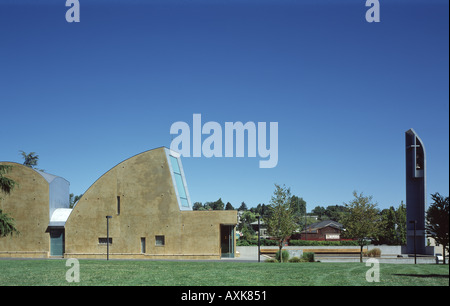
192	273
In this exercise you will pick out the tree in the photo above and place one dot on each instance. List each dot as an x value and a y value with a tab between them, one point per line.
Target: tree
363	221
197	206
336	212
298	206
30	159
261	209
437	220
74	199
7	224
243	206
394	229
228	206
400	215
281	220
245	226
319	211
6	184
217	205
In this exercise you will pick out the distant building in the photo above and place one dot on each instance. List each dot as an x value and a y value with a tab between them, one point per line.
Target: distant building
323	230
263	229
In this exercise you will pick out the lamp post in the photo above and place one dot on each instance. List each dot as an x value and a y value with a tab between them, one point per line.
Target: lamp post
415	252
259	238
107	236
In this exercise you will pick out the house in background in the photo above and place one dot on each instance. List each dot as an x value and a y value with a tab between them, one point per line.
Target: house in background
323	230
146	197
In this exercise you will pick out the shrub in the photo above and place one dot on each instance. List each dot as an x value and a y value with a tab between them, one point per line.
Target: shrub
285	255
308	256
376	252
323	243
270	260
295	259
249	242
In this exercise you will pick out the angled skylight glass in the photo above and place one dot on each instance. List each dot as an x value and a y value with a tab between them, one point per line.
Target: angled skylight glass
179	180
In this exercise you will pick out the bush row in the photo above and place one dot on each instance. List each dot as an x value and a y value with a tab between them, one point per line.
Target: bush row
306	257
268	242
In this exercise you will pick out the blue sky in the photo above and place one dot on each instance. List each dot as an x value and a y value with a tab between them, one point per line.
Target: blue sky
85	96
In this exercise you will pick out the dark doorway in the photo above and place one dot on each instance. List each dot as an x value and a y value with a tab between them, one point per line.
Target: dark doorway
56	242
227	241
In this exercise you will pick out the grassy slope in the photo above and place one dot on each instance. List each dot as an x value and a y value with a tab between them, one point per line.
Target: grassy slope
96	272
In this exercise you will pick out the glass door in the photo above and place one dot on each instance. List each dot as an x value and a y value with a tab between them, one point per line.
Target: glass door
227	241
57	242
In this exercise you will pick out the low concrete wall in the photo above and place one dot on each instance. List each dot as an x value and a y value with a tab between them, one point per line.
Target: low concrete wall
386	250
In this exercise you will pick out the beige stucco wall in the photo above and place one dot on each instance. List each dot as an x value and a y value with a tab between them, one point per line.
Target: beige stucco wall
148	207
28	204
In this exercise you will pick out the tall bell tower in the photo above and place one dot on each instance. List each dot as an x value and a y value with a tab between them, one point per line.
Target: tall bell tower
416	193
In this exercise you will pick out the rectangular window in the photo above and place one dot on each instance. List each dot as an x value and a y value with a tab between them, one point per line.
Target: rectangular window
179	181
118	205
103	240
143	245
159	240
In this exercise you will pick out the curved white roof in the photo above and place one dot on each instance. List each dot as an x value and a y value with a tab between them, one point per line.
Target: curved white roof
59	216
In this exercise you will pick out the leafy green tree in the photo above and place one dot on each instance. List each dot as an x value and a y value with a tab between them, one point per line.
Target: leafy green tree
228	206
389	234
437	220
261	209
7	223
30	159
243	206
281	220
217	205
74	199
197	206
298	206
363	221
400	215
6	184
336	212
247	217
394	229
319	211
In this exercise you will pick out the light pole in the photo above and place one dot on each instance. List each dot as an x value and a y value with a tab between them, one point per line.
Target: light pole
259	238
107	236
415	252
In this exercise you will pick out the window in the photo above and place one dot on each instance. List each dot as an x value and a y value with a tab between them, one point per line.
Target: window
104	241
143	245
118	205
159	240
179	181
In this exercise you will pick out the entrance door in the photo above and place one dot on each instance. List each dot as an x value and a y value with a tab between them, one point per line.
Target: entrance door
227	241
57	242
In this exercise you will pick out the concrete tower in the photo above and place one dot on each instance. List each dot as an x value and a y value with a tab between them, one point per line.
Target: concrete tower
415	192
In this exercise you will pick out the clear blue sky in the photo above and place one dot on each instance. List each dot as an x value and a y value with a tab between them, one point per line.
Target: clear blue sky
85	96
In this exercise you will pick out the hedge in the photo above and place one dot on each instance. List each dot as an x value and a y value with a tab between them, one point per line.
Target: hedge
268	242
323	243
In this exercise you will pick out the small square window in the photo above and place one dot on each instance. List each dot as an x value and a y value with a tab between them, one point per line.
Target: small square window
159	240
104	241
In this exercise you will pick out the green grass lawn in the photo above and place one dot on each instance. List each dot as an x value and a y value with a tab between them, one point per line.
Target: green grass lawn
177	273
